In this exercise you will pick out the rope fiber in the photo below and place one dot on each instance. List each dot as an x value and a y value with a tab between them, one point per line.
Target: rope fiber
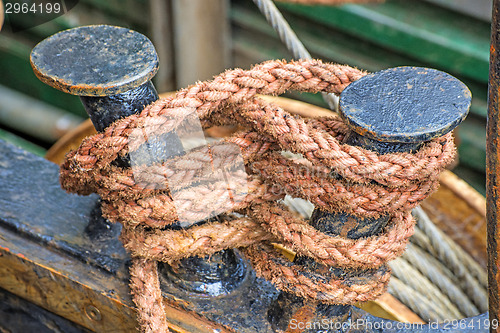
369	185
427	276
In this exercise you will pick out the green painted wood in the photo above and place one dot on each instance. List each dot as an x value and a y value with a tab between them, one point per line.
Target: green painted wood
476	8
453	42
322	42
328	44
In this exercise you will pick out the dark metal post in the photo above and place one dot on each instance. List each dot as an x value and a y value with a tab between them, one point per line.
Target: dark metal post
111	68
493	169
395	110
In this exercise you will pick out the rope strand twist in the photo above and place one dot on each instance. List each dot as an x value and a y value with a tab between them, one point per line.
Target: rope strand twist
370	185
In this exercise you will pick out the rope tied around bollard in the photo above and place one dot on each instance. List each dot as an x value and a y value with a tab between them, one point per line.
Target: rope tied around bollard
334	176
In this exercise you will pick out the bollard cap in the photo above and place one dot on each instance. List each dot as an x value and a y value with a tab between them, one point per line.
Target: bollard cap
405	104
96	60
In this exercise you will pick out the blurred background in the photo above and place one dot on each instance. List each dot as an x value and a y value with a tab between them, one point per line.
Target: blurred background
197	39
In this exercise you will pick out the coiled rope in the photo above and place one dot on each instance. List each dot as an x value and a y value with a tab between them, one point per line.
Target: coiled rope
369	185
423	278
438	284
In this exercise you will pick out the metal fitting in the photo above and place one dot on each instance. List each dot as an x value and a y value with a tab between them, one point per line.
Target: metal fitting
394	110
111	68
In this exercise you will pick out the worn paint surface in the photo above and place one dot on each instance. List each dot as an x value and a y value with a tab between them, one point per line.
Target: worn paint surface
19	315
122	59
405	105
31	201
464	223
493	168
49	257
104	110
388	111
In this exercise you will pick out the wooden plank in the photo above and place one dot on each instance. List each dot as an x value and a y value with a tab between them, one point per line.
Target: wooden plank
19	315
462	220
47	257
389	307
493	171
77	291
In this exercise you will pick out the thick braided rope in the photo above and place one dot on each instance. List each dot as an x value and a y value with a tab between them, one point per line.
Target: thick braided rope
146	292
170	246
297	235
327	287
399	181
275	77
334	195
298	180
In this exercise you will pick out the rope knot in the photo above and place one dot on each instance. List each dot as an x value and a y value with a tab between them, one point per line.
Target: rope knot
333	176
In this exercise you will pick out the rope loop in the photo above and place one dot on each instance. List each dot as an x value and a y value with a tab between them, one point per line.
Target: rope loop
334	176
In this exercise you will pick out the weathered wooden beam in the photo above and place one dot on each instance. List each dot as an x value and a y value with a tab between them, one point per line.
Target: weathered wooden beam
47	258
493	170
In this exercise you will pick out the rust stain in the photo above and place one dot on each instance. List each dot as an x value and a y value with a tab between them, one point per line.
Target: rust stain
493	169
350	224
301	319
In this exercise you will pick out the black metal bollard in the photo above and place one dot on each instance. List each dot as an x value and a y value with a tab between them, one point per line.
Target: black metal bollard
111	68
395	110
